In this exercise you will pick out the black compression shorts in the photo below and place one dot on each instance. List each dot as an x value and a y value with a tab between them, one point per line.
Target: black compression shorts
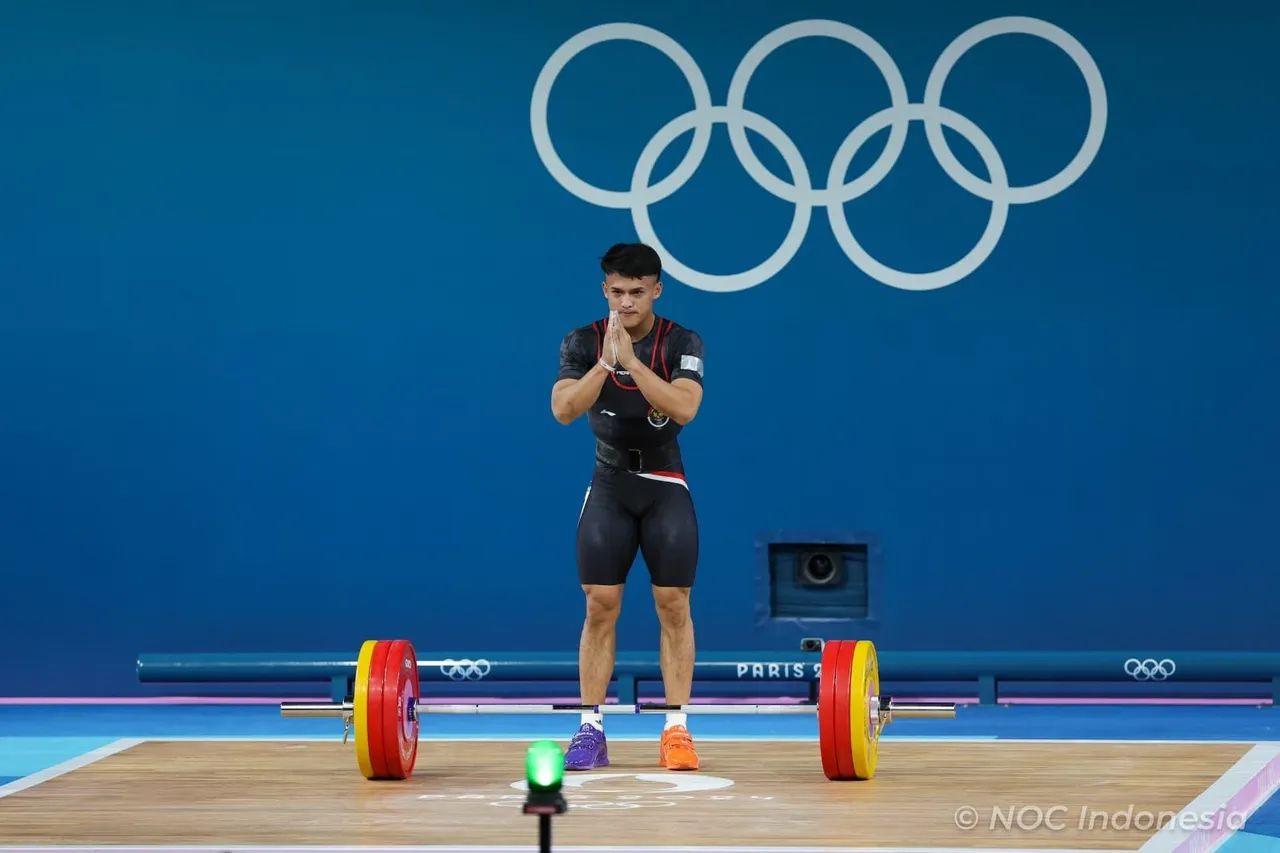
625	513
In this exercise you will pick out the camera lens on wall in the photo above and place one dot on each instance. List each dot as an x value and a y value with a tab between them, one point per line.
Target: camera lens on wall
819	568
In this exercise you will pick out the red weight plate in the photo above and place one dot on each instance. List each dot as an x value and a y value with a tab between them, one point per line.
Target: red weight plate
840	720
378	696
399	726
827	722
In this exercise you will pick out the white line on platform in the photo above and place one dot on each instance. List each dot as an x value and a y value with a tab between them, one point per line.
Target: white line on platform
495	848
82	760
1223	807
567	848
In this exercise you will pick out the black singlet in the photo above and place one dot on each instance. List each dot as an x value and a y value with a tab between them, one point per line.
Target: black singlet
638	500
621	417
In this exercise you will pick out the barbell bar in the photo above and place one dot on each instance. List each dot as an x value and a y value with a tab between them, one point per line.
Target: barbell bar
887	707
385	713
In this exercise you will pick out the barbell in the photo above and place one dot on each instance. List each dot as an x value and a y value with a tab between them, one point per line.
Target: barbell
385	713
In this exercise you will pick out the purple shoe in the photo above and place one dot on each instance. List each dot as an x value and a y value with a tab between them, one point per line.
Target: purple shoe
587	750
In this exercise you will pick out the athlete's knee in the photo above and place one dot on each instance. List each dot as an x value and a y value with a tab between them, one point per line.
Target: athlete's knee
672	603
604	603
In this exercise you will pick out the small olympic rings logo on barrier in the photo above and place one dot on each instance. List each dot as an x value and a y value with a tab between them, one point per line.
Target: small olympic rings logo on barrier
1150	669
465	669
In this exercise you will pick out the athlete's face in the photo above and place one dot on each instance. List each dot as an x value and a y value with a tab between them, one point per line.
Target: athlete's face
632	298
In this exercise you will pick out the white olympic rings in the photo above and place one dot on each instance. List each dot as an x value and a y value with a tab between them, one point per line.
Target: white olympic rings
837	192
1150	669
465	669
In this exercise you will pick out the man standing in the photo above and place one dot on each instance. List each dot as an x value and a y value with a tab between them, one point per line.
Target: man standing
638	377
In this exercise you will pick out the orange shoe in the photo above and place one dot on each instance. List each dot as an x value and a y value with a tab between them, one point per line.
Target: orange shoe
677	752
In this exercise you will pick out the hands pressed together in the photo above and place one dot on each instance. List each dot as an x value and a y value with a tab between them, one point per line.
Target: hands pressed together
617	350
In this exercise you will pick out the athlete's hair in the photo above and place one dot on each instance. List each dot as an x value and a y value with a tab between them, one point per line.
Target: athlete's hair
631	260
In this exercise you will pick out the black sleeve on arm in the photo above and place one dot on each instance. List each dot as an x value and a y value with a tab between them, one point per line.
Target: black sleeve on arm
577	355
685	349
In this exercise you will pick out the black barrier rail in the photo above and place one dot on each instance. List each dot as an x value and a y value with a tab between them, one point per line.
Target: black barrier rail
339	669
984	669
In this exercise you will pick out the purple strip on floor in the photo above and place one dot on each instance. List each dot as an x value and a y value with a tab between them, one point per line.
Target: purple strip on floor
1128	700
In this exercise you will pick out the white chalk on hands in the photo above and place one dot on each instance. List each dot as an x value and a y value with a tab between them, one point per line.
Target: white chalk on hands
613	341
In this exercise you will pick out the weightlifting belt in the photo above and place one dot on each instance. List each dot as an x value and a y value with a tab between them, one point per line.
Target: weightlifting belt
664	457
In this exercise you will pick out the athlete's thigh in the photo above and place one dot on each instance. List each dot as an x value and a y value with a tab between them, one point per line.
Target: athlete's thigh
669	536
608	534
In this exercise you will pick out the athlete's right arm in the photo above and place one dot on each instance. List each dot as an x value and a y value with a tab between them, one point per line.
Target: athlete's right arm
580	379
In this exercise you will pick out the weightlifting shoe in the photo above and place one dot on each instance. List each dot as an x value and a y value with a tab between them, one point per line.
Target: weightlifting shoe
588	749
677	752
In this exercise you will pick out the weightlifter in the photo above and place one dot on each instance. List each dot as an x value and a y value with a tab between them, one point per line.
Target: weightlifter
638	377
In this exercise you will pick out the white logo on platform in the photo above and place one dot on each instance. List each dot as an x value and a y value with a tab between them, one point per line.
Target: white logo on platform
671	788
673	783
620	791
801	191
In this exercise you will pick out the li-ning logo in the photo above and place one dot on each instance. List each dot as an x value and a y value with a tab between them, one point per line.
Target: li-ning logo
464	670
801	191
1150	669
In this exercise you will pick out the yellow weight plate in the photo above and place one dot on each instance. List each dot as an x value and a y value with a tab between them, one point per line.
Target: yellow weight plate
864	691
361	707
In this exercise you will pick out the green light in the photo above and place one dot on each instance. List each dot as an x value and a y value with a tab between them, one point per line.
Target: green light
544	766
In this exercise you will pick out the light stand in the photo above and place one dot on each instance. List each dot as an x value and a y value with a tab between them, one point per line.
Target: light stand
544	774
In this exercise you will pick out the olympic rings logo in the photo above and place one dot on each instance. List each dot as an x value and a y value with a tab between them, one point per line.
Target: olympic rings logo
837	192
465	669
1150	669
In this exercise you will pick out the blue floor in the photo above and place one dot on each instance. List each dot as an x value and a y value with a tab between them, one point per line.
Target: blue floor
33	738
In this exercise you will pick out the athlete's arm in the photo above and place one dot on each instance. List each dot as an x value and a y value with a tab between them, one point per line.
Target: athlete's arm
578	384
682	396
571	397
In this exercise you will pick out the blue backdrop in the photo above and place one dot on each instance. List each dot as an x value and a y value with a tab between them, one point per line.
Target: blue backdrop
281	291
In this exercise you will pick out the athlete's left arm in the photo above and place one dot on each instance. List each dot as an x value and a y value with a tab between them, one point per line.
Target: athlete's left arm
681	397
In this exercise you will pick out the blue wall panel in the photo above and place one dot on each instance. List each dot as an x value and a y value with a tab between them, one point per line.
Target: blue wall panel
281	293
